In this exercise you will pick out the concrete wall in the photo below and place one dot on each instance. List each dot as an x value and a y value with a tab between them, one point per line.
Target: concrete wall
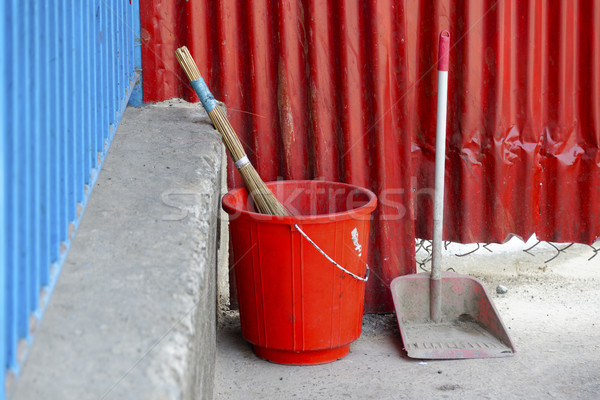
134	311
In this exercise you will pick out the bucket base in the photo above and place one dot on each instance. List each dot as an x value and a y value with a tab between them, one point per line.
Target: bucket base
291	357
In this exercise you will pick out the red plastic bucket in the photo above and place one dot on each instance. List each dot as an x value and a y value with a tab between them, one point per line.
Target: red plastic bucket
296	306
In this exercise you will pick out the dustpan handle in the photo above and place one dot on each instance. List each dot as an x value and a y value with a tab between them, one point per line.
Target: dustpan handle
435	293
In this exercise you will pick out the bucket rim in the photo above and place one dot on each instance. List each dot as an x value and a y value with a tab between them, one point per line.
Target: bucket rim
365	209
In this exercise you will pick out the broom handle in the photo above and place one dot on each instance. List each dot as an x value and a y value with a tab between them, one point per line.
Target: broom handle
219	120
264	200
208	101
435	292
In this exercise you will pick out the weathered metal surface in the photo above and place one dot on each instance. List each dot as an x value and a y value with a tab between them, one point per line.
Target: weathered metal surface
346	91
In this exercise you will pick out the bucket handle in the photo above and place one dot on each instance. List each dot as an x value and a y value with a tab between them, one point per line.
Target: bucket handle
366	278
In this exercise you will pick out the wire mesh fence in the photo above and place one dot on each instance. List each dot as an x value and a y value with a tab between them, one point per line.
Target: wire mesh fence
423	250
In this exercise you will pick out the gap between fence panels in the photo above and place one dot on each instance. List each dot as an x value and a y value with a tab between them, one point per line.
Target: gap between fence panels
510	254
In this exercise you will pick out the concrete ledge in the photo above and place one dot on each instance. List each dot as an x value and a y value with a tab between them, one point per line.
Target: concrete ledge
133	315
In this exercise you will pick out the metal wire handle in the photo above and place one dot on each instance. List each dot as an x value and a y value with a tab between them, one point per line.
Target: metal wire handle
366	278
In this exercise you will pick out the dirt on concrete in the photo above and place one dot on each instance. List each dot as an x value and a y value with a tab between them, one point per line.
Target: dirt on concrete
551	310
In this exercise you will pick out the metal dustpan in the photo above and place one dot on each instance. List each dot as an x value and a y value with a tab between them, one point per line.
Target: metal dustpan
468	325
446	315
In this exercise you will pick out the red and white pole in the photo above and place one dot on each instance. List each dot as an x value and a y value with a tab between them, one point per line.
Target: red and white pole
435	293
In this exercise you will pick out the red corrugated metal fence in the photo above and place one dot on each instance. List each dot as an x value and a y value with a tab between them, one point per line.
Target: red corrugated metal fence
346	91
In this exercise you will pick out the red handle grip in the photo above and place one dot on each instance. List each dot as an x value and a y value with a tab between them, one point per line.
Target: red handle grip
444	50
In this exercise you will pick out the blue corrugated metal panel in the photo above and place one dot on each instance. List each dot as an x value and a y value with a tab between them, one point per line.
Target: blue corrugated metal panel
66	73
3	203
137	96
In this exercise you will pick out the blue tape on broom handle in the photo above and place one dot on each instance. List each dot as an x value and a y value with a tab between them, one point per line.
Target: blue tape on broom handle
206	97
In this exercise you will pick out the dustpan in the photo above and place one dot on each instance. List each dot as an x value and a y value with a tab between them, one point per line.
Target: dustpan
446	315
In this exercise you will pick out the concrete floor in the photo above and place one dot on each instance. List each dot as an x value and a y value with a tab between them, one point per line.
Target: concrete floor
552	312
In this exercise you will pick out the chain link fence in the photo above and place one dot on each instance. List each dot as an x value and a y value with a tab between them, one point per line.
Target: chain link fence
423	250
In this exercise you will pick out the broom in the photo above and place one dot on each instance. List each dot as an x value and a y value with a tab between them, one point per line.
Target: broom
265	201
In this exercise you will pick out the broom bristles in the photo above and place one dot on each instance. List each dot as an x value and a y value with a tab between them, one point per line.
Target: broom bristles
264	200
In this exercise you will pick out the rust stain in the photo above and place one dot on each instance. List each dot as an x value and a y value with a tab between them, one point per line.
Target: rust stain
145	36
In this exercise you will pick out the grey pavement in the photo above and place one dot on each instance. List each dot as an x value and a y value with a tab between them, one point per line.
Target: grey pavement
550	309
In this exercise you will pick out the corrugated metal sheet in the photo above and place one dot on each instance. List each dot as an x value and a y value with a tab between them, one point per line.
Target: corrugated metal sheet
346	91
3	211
66	72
